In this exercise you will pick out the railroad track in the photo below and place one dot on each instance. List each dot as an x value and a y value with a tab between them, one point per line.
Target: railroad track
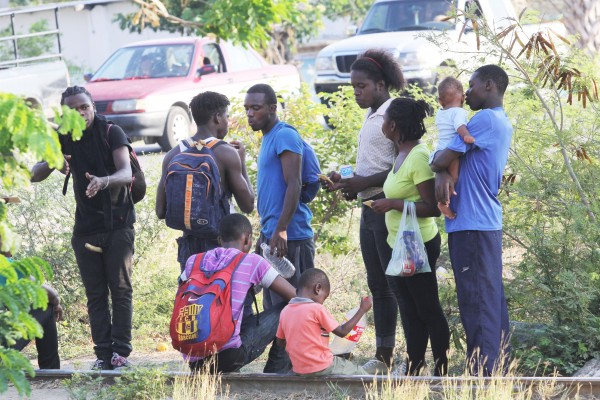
354	386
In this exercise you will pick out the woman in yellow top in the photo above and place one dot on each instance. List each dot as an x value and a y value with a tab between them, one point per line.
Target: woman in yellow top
412	179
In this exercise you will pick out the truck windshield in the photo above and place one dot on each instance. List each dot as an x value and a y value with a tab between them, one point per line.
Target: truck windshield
147	62
407	15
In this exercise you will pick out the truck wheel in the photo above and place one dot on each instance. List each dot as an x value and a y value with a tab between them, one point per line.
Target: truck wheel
176	128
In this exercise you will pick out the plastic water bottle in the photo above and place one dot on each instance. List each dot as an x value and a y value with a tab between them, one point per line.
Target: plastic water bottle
346	344
282	265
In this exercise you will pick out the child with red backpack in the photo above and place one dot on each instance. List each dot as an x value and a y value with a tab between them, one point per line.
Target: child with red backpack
209	322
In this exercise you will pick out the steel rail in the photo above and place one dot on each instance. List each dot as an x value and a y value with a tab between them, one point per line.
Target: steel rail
585	387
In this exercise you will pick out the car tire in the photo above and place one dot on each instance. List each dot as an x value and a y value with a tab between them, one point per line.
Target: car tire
177	128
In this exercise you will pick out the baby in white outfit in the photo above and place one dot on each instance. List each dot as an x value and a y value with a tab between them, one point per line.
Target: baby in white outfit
451	120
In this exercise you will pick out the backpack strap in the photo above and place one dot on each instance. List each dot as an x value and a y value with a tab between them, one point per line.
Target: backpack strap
210	144
66	183
100	159
214	143
233	264
197	261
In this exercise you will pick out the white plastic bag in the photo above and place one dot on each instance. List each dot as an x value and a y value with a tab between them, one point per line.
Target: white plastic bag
408	256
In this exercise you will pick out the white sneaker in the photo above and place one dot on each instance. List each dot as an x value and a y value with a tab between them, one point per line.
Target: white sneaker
375	367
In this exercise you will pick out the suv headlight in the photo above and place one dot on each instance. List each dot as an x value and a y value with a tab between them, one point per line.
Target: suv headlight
324	64
413	58
133	105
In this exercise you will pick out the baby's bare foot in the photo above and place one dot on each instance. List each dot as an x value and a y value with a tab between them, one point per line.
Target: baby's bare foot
469	139
445	209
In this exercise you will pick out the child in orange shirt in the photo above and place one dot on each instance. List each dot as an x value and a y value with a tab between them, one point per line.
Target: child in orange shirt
304	327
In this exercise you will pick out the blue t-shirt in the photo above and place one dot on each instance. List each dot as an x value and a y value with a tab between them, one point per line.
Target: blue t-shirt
271	184
481	166
3	278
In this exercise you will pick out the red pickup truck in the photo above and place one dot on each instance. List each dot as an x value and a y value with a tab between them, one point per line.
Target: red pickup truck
145	87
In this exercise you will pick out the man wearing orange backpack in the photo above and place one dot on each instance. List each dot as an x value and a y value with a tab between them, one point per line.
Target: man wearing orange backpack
209	324
211	171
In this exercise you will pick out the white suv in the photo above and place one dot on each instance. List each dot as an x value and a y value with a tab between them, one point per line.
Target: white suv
396	25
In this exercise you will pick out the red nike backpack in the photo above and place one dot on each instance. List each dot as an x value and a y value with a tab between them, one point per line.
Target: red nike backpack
202	321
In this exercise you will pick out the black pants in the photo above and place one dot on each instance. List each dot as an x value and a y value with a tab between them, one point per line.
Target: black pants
188	245
104	273
255	339
302	254
422	315
376	255
47	345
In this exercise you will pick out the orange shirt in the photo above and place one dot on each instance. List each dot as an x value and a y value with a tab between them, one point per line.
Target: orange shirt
305	325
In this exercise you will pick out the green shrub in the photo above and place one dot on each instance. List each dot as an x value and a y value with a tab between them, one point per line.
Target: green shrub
23	131
550	195
134	384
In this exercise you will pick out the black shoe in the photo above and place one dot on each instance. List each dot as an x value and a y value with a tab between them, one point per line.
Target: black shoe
100	365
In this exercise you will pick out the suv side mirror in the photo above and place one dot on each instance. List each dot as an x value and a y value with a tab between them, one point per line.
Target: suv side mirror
206	69
351	30
87	77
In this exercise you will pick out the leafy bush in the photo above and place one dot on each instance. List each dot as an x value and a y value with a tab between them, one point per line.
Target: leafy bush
557	281
23	131
550	194
135	384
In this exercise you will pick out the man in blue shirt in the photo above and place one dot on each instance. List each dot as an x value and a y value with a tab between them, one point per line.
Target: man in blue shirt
284	219
475	235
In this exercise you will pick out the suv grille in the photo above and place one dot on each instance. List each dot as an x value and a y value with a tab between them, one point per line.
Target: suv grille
101	106
344	62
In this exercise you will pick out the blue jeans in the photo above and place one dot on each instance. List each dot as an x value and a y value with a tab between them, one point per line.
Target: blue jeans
376	255
476	258
256	333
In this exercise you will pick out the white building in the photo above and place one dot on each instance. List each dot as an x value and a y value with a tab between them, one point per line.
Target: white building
89	34
88	31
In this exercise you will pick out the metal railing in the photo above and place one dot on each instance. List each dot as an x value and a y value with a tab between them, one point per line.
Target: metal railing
14	38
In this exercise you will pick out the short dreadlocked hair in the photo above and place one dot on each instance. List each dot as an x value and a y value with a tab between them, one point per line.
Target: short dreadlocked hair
72	91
